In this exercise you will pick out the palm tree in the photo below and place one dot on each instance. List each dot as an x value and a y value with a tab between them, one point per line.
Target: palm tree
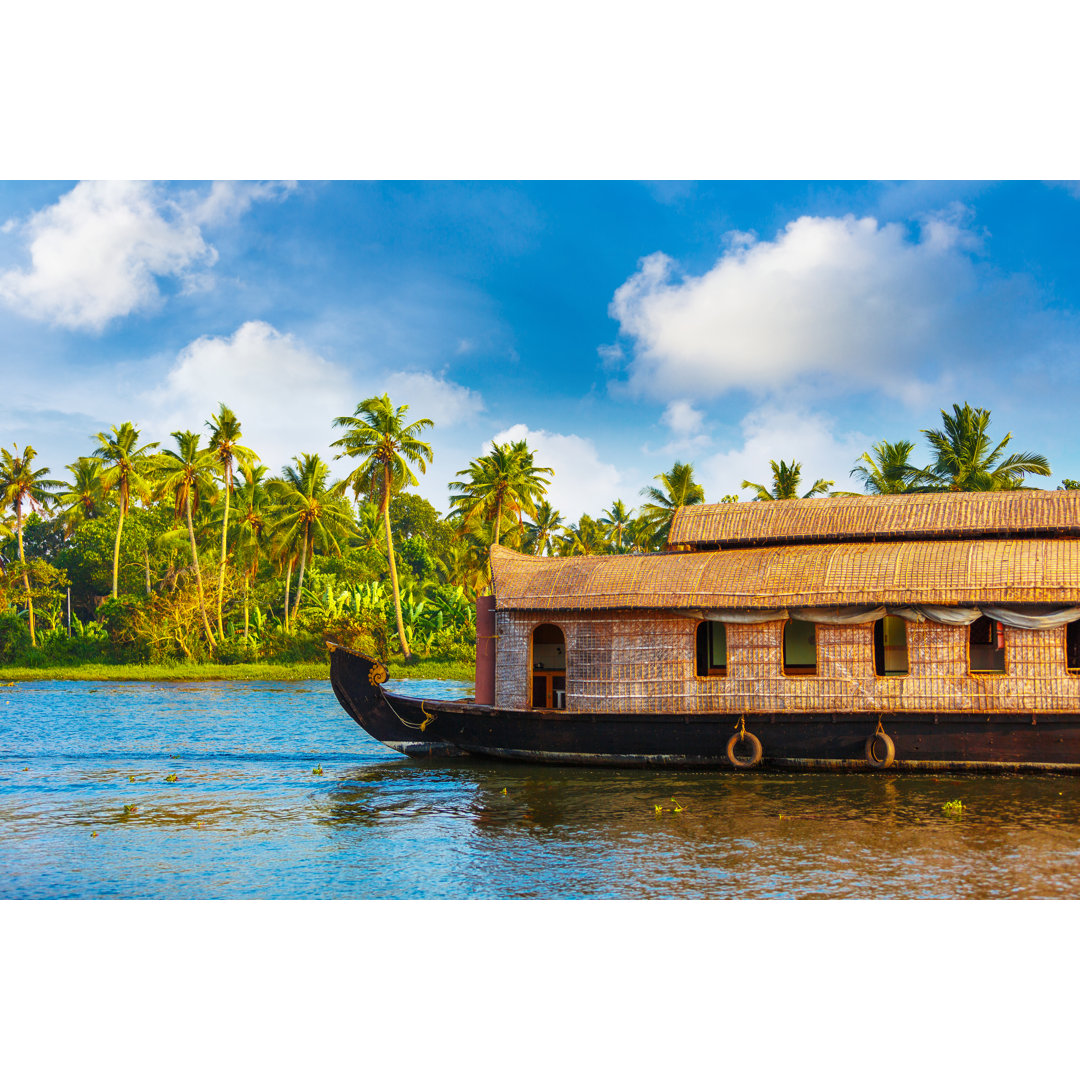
186	474
965	461
386	445
678	488
310	515
22	487
128	464
615	522
225	435
83	497
502	485
785	484
585	538
640	535
886	470
251	525
540	532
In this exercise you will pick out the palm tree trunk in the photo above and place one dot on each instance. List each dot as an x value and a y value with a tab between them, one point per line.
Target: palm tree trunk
26	580
247	586
288	583
494	541
198	573
116	551
146	559
300	582
224	533
393	567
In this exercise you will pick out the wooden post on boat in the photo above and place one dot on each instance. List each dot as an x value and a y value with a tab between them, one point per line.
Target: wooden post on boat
485	650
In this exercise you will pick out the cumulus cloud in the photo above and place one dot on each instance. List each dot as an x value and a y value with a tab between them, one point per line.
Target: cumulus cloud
446	403
100	251
285	394
582	484
776	434
846	298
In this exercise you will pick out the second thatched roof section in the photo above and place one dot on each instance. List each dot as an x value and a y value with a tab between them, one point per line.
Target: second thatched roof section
944	572
878	517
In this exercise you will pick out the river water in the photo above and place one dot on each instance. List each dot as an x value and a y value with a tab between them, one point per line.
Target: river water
87	811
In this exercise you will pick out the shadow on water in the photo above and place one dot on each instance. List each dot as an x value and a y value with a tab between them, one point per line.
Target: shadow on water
643	833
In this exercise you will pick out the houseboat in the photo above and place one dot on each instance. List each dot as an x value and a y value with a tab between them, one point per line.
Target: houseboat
894	631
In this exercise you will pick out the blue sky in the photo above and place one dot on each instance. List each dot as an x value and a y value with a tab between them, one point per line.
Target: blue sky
617	326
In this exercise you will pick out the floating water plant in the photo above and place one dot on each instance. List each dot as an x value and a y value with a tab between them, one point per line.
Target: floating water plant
171	778
955	806
317	771
676	809
129	807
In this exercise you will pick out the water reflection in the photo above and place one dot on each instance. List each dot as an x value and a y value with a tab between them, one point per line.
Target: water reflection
248	817
528	831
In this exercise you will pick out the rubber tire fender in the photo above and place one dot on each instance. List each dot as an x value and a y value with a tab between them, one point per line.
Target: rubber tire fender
877	743
755	750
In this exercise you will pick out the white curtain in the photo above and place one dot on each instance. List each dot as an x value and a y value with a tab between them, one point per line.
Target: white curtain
1029	617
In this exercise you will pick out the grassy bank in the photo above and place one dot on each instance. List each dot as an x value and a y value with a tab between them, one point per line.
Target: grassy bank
269	672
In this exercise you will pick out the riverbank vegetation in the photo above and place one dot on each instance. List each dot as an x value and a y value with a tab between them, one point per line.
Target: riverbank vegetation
191	561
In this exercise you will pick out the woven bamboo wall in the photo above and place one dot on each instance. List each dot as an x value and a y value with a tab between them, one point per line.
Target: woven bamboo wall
638	662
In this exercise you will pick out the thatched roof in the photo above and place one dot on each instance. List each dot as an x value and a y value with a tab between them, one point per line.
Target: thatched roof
807	575
878	517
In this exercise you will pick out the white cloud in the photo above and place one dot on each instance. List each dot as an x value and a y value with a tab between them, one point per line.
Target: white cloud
99	252
774	434
285	394
444	402
582	484
229	199
840	297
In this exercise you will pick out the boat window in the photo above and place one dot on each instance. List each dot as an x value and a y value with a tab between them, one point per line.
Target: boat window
1072	646
548	668
711	648
890	646
800	648
986	649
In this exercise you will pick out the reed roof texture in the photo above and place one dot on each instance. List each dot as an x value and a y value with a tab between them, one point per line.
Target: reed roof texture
878	517
1039	571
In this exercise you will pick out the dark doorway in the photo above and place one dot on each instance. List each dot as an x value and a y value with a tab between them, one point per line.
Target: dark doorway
890	646
548	668
986	651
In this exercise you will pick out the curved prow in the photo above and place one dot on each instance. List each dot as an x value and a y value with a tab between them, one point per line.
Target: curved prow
357	681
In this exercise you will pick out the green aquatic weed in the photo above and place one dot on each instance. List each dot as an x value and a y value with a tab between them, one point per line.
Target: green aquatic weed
954	806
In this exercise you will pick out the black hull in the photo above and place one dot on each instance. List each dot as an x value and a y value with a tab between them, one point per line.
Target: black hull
923	741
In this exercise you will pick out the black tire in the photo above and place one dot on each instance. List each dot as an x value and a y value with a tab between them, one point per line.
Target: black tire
879	752
744	740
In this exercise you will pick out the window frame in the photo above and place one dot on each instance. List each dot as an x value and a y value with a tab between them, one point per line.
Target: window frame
710	671
800	671
1075	671
990	672
883	674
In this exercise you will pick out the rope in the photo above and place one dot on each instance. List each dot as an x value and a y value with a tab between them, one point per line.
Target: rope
740	727
429	717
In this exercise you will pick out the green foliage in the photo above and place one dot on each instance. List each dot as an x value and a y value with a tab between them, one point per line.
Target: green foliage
14	637
785	483
409	589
